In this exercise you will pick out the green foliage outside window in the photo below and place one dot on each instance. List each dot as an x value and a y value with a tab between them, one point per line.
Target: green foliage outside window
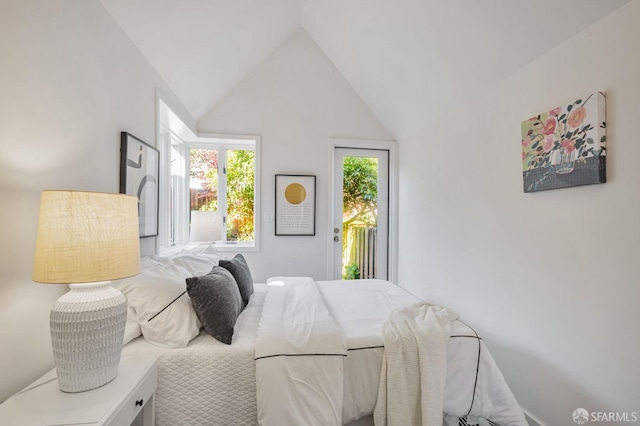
240	194
360	207
203	169
360	187
352	272
240	177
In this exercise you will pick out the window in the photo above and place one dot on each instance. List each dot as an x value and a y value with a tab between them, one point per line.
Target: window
222	179
213	192
209	189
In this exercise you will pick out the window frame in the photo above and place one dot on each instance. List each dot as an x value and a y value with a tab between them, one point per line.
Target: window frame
222	145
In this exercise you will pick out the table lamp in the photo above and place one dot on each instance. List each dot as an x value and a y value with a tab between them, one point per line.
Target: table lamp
86	239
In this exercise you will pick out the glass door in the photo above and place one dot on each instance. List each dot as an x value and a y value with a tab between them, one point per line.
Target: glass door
361	214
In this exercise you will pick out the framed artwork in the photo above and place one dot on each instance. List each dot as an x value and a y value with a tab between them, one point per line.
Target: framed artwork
139	170
565	146
295	205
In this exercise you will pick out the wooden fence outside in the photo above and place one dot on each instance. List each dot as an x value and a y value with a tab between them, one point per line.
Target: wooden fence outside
360	248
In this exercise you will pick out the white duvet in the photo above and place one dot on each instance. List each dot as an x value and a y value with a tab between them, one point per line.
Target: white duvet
297	387
299	356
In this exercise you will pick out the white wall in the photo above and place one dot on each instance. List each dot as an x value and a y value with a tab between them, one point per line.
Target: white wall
70	82
295	101
549	279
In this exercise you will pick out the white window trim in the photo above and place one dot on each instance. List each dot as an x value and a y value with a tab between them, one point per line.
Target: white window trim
224	142
170	125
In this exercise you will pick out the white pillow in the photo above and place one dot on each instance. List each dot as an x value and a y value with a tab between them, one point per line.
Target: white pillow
189	265
201	250
161	305
132	328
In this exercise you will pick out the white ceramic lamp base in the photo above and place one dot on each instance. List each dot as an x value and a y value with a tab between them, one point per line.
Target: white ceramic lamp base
87	329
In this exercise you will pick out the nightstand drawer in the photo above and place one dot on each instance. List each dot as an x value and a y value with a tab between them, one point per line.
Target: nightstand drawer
142	395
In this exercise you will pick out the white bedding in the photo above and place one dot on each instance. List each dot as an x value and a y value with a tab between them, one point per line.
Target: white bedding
209	383
300	352
360	307
474	386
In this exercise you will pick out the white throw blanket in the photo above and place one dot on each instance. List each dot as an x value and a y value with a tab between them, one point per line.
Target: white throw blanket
414	366
300	353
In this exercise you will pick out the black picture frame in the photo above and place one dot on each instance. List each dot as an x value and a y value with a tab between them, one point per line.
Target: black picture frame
295	205
139	176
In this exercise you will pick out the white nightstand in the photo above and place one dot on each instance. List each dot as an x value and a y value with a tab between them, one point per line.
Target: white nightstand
117	403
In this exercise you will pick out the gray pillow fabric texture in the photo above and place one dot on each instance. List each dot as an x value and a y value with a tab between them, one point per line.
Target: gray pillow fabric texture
217	302
240	271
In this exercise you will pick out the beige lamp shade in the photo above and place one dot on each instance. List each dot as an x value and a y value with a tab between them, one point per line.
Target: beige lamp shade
86	237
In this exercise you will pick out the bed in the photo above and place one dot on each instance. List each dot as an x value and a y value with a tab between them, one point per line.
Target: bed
207	382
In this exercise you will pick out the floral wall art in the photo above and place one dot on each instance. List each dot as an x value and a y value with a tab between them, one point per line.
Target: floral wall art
565	146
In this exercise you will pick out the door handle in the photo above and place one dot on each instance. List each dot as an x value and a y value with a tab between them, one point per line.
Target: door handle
336	238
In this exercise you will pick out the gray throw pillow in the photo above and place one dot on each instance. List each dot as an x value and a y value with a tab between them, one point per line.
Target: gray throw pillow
240	271
216	299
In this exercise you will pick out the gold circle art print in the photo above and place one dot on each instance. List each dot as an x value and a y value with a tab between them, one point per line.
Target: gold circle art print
295	193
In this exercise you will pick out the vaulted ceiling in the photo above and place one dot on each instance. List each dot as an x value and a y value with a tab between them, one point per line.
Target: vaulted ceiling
405	58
